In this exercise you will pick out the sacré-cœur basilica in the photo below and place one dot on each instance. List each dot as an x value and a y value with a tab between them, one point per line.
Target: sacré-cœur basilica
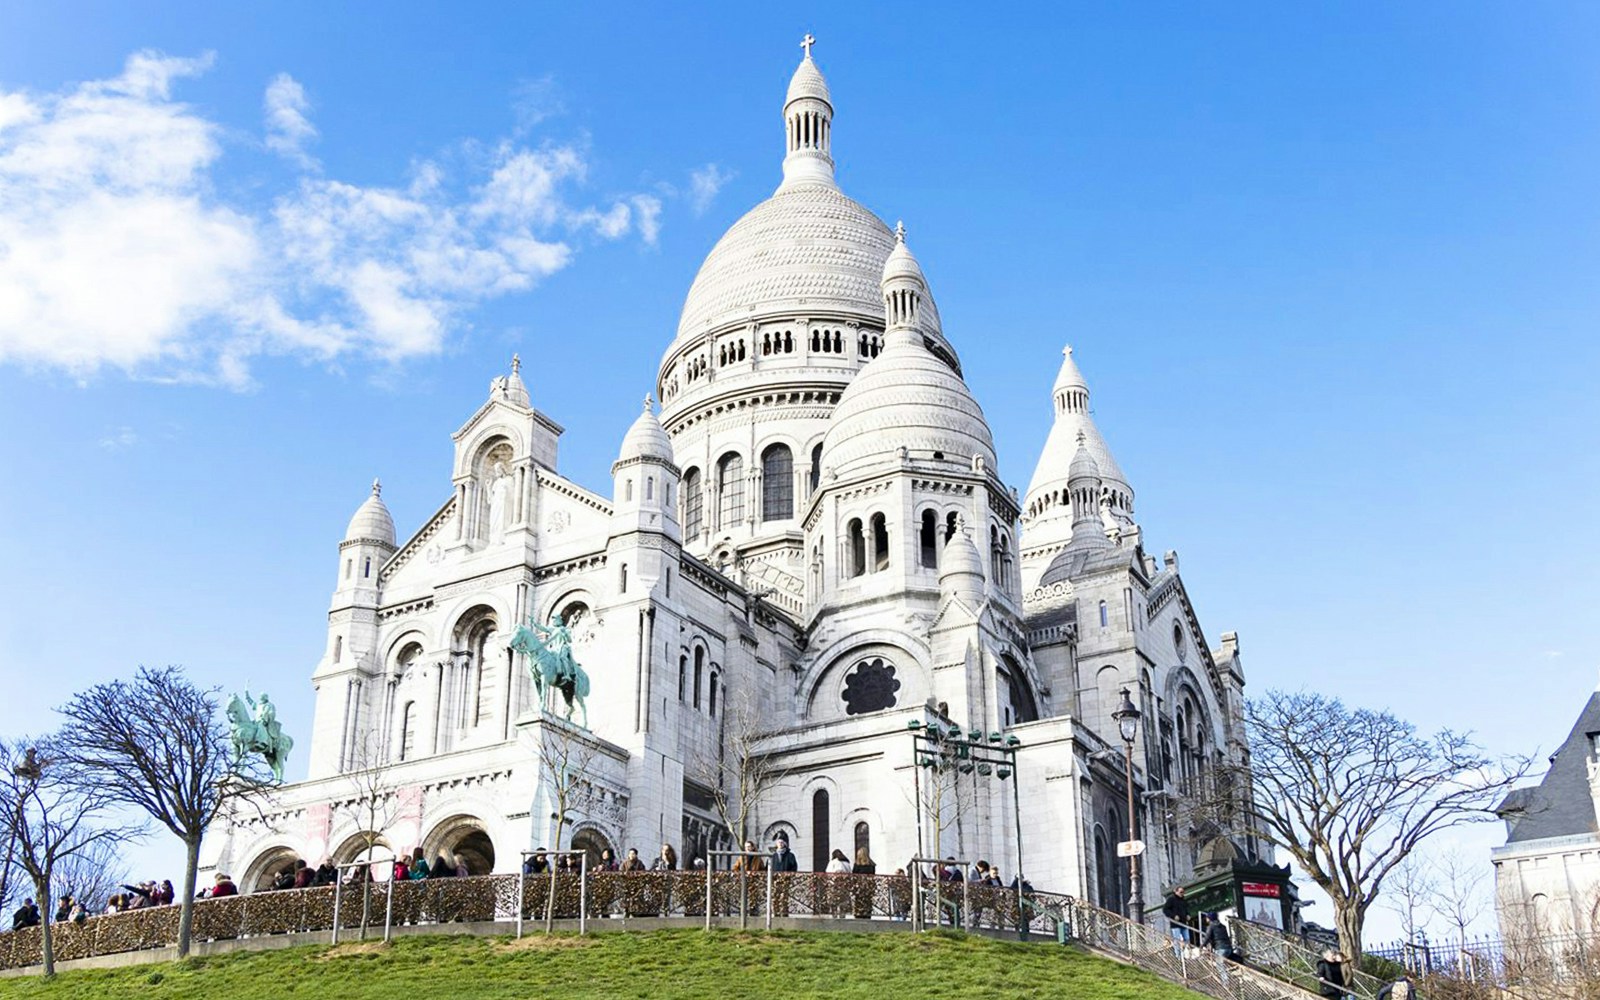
810	543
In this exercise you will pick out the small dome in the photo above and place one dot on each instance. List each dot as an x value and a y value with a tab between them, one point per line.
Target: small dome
902	263
906	398
961	567
807	82
372	521
646	438
516	392
1083	464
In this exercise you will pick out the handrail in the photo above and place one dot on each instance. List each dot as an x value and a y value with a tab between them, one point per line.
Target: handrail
1290	959
1156	952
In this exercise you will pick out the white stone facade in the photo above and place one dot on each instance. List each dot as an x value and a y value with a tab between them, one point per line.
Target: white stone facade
814	533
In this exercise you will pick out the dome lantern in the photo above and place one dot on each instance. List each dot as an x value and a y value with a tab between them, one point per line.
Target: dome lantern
808	125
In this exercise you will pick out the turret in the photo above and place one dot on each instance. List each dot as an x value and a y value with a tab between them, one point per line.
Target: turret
961	569
644	479
368	543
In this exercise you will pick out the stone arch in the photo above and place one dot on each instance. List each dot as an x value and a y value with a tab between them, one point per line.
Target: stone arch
1018	699
476	448
462	837
591	839
266	865
353	845
832	666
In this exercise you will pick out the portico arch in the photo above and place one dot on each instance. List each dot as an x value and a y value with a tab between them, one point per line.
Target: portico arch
258	874
462	838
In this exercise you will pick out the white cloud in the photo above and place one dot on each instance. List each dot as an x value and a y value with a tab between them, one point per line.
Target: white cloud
288	128
648	209
119	439
704	183
116	251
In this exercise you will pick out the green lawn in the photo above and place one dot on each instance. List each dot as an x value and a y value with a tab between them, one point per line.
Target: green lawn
663	965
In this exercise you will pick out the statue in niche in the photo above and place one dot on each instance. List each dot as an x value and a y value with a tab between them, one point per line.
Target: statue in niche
499	496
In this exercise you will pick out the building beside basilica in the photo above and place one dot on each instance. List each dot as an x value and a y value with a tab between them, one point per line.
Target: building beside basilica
811	541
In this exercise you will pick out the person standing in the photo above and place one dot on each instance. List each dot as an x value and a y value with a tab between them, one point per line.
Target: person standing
1176	910
865	888
27	915
783	864
1331	975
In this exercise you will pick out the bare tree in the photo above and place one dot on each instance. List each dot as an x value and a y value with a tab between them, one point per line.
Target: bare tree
566	755
1458	897
1412	886
373	803
159	743
50	812
1349	793
91	876
738	773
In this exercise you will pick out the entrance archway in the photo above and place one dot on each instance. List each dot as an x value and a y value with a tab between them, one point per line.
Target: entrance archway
591	842
462	839
258	875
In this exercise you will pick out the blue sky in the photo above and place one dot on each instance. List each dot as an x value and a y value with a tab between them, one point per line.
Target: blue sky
1330	272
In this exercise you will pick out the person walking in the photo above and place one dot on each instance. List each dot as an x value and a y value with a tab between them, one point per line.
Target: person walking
1176	910
1332	978
1404	988
1219	942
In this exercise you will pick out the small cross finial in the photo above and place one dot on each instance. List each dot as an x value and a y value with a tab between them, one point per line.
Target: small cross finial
900	231
807	42
649	401
1080	439
377	488
516	363
1067	350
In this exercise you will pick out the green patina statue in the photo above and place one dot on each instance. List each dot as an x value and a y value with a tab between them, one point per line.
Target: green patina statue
549	652
256	730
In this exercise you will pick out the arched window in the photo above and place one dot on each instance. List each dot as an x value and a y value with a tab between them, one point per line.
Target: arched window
699	673
819	831
928	539
880	542
777	483
711	702
408	730
480	647
338	648
692	501
863	839
622	580
1105	616
816	468
857	556
950	526
627	490
366	568
730	486
649	487
683	673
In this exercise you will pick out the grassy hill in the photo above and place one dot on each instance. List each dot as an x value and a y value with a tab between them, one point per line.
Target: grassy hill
662	965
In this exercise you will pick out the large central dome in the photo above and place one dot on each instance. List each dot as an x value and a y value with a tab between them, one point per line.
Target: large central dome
808	248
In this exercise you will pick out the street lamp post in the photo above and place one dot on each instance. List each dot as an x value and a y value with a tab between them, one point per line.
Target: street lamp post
1127	716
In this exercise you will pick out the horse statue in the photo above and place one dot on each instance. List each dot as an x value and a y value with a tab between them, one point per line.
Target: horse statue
256	730
549	652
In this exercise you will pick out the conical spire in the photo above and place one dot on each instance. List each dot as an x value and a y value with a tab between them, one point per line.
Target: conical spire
961	567
904	288
372	521
808	125
1070	401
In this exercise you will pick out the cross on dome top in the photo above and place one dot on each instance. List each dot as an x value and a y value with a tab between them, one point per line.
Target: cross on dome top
649	401
807	42
516	363
900	232
377	488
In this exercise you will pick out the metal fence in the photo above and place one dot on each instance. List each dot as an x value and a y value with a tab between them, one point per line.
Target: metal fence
563	896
